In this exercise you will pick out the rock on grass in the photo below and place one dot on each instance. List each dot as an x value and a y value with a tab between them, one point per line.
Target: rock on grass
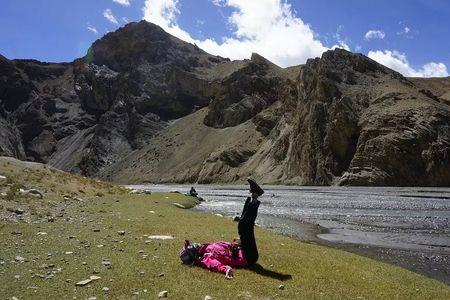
163	294
19	259
87	281
179	205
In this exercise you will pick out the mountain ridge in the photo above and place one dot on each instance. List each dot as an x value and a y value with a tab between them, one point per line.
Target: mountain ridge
339	119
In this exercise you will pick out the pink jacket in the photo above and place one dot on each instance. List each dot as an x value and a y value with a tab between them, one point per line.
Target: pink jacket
219	257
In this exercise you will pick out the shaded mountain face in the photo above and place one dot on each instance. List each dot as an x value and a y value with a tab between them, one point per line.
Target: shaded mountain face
339	119
85	115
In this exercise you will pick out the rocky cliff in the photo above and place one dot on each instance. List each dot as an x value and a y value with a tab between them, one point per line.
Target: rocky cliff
145	106
85	115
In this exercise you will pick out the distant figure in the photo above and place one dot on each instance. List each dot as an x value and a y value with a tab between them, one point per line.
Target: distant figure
223	256
193	192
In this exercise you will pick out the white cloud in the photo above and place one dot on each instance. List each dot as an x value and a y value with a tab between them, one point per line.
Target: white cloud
125	20
407	32
107	13
122	2
268	27
342	43
399	62
374	34
220	3
433	69
271	28
92	29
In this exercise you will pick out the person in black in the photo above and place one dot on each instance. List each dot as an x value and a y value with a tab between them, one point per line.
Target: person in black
247	223
193	192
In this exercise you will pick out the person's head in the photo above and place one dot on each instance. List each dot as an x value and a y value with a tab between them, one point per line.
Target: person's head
189	252
255	189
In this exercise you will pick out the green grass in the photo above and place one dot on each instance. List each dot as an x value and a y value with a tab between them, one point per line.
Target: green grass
54	184
317	272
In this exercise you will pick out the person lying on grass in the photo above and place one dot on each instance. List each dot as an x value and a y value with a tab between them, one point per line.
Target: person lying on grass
224	256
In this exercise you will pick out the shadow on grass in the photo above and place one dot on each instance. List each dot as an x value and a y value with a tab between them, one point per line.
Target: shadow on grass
258	269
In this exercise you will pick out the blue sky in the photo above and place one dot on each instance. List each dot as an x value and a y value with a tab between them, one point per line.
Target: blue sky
411	36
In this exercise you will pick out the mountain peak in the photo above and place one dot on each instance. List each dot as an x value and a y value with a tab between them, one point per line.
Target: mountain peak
144	42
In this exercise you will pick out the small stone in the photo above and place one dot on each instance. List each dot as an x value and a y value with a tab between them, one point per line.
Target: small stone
99	246
179	205
145	291
160	237
160	274
14	298
93	277
84	263
19	211
141	251
106	263
208	297
219	215
83	282
42	233
68	280
92	298
68	252
35	193
163	294
105	289
121	232
281	287
19	259
16	276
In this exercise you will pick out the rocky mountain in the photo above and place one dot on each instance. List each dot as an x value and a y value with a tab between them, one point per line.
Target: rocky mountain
144	106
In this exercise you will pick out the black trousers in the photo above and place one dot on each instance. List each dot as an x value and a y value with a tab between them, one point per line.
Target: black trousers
246	231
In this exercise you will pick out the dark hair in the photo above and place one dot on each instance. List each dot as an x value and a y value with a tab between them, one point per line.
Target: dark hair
189	253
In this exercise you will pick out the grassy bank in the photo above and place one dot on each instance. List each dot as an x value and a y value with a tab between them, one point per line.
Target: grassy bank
139	263
88	240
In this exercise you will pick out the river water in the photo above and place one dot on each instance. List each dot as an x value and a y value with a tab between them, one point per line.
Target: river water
404	219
